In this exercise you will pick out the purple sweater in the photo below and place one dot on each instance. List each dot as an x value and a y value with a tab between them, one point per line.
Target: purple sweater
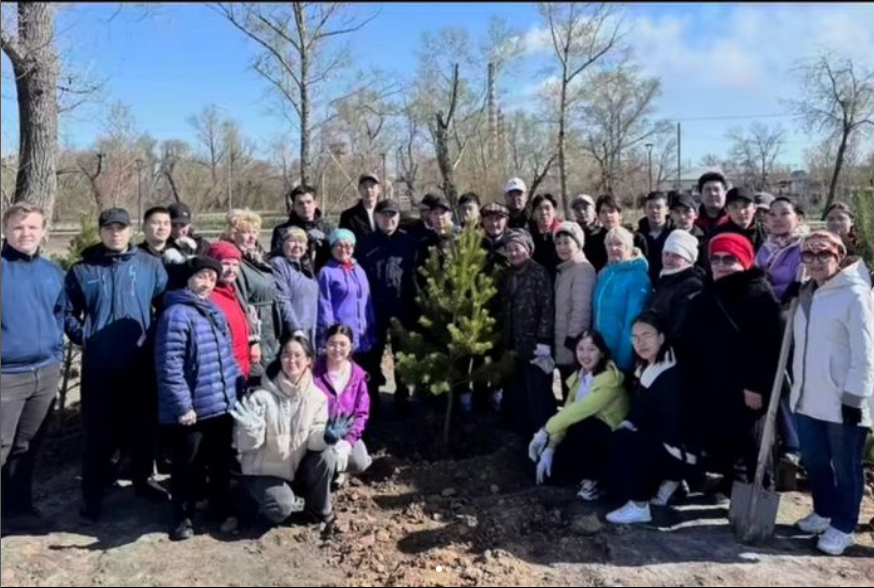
781	265
352	400
344	297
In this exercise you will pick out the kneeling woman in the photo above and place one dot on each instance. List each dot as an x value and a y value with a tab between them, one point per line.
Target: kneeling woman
280	436
578	438
344	384
649	447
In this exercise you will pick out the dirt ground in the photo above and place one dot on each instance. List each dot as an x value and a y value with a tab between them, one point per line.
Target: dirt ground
473	514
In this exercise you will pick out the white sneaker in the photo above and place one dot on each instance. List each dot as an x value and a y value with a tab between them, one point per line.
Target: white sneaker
665	493
630	514
589	491
814	524
834	542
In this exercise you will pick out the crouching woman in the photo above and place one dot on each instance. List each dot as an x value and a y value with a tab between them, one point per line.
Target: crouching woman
287	464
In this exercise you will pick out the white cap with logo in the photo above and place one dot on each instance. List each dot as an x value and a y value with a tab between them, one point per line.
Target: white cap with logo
515	184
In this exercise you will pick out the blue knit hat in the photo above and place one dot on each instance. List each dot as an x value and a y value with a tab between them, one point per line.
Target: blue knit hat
342	235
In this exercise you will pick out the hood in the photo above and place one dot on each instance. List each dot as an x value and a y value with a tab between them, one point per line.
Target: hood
184	296
635	264
611	377
283	388
854	275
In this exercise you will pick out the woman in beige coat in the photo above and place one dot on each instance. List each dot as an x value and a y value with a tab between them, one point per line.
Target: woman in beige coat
574	286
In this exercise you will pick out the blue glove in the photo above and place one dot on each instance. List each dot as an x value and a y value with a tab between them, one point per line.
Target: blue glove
337	429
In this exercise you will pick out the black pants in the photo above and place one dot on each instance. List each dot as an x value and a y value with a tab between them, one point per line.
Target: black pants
528	399
639	463
584	452
119	411
25	402
200	451
732	447
371	362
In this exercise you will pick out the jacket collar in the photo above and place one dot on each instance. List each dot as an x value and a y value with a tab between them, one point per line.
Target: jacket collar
12	254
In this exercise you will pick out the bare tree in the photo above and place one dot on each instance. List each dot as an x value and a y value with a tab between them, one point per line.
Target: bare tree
756	152
91	166
838	100
29	42
207	125
296	56
582	35
615	118
532	149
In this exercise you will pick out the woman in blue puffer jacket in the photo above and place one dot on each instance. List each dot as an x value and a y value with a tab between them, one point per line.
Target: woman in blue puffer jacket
198	383
622	292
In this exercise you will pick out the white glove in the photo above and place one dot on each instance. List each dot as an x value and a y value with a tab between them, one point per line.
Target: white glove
466	401
543	359
342	449
497	400
628	426
538	444
544	466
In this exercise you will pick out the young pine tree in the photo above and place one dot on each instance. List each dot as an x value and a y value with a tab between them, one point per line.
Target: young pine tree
456	331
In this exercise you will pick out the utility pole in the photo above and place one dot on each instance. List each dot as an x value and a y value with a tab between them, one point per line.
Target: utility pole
230	182
649	147
139	165
679	161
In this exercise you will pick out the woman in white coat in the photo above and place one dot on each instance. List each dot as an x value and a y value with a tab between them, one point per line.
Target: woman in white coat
833	387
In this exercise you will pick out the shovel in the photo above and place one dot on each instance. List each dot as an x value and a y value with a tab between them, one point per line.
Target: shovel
753	508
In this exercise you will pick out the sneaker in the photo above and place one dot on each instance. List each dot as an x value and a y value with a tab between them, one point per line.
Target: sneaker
630	514
182	531
341	481
791	459
589	491
814	524
834	542
90	514
665	493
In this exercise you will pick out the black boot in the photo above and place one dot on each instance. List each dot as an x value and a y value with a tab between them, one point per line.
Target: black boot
182	530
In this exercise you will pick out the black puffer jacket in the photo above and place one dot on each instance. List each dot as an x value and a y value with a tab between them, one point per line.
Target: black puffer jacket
672	297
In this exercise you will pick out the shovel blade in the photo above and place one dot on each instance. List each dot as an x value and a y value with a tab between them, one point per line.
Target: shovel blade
753	526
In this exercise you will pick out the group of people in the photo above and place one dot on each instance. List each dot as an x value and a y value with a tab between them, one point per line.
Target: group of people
226	356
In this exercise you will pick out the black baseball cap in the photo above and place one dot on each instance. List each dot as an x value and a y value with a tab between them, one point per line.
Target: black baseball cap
364	177
389	205
684	200
180	212
740	193
114	216
440	202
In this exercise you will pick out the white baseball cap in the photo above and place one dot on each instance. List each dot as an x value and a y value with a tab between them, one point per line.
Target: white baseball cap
515	184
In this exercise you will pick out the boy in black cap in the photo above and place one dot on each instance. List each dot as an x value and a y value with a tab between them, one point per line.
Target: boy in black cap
183	237
114	327
741	206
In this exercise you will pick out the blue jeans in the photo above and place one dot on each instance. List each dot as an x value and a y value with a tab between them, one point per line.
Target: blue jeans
833	455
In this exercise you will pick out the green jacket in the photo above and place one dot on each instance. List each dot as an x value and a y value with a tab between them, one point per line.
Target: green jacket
607	401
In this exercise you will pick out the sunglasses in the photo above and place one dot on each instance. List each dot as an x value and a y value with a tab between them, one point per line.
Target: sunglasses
821	257
726	260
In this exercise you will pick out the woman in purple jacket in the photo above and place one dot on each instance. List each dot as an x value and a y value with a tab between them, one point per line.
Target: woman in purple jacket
345	385
344	295
780	256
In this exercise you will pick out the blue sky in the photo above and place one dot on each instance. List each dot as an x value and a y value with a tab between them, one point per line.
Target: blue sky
715	60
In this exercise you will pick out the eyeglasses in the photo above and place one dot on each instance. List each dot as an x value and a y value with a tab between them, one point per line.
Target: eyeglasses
821	257
726	260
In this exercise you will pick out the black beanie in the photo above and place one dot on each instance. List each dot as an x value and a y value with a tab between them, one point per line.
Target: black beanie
196	264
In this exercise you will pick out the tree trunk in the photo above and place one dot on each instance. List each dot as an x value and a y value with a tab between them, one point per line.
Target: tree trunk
562	167
36	78
304	99
836	174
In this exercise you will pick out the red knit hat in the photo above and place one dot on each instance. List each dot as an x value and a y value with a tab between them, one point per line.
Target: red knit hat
734	244
222	250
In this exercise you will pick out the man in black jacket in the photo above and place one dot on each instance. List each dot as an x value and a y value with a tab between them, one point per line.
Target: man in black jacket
655	228
742	220
360	219
388	257
306	215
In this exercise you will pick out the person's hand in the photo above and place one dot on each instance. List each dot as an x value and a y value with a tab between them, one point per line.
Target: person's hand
247	414
255	353
316	235
627	426
188	419
543	359
544	466
753	400
337	429
537	445
852	416
342	449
